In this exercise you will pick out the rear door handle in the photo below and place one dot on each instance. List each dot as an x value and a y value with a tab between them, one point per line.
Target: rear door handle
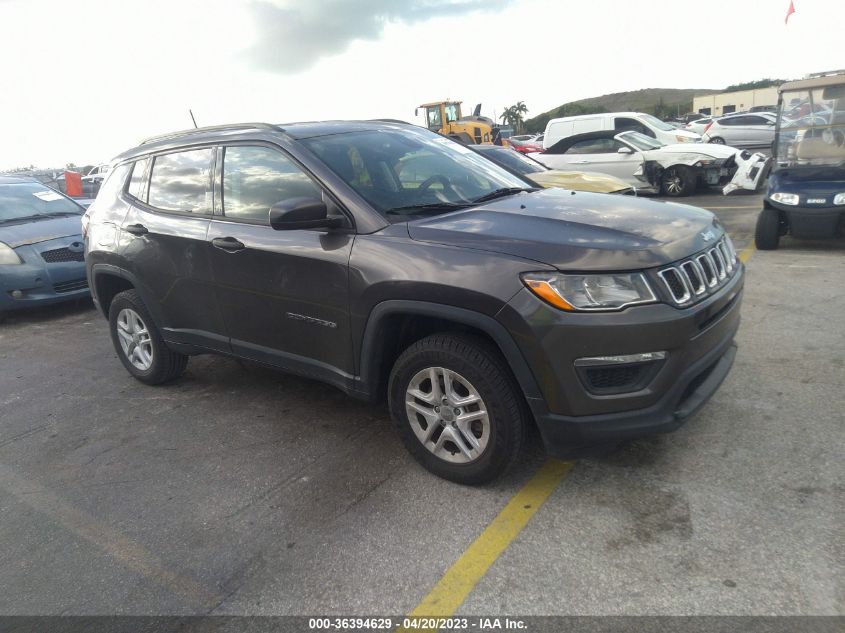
136	229
228	244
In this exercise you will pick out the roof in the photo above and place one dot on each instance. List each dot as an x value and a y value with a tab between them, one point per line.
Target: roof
434	103
815	82
596	115
565	143
296	131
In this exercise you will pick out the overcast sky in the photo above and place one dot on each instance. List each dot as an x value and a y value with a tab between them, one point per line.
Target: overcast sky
83	80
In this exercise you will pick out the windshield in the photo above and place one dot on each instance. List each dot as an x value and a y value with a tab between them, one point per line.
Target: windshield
653	121
514	161
400	171
32	199
812	127
640	141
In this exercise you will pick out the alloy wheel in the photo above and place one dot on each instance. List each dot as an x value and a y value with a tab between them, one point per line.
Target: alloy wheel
448	415
135	340
673	182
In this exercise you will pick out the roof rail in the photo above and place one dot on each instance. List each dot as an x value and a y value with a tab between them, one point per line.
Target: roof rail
212	128
391	121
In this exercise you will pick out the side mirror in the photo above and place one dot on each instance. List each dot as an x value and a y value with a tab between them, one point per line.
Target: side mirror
770	122
624	150
301	213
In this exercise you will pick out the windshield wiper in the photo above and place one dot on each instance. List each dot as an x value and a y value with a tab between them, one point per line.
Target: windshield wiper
54	214
434	206
505	191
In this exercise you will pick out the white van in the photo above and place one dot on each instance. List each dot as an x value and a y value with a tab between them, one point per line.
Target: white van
557	129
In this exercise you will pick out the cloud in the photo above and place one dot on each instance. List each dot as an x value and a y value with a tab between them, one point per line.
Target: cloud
293	38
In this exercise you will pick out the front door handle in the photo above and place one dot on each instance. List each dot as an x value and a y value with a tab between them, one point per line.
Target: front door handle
228	244
136	229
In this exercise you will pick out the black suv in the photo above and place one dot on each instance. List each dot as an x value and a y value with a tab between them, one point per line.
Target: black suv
389	261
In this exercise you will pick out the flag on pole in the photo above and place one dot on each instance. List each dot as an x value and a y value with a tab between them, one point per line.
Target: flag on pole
789	11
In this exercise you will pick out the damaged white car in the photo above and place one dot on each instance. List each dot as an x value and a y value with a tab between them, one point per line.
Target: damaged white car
650	166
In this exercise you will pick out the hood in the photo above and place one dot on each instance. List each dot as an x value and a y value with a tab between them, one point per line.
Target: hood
713	150
578	180
575	230
40	230
693	136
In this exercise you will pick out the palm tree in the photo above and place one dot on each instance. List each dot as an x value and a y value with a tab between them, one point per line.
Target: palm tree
508	116
513	115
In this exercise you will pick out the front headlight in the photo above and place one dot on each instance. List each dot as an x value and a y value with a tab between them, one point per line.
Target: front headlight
839	198
684	139
573	293
785	198
8	255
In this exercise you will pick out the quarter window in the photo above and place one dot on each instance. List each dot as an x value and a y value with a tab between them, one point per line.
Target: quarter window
182	181
255	178
113	184
138	182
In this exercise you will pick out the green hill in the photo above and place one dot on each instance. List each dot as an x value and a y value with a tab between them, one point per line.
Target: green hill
661	102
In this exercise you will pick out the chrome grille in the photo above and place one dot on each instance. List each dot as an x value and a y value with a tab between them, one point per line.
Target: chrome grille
691	279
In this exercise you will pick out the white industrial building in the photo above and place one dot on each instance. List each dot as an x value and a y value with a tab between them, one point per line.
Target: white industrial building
737	101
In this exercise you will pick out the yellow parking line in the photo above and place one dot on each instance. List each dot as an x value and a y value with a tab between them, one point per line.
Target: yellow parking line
747	252
460	579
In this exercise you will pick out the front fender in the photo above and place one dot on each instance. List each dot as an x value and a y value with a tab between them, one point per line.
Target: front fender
372	346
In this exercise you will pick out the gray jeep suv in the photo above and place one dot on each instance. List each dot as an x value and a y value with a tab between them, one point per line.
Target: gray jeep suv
394	263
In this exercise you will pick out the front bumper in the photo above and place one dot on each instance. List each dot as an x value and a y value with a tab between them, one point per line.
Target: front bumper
38	282
570	436
812	222
750	173
573	418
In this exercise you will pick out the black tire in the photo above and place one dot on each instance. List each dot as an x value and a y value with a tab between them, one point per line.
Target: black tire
678	181
484	367
718	140
166	364
767	231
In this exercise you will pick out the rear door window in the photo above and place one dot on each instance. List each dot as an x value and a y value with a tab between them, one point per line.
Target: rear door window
182	182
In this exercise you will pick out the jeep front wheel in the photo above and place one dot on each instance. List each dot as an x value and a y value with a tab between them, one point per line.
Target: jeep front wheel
457	408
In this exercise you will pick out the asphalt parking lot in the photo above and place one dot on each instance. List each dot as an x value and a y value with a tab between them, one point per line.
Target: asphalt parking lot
237	490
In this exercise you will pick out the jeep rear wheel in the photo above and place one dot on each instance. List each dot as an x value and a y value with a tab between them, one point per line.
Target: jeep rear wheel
138	342
457	408
767	232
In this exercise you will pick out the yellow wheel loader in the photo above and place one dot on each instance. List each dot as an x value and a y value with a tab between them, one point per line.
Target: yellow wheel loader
445	118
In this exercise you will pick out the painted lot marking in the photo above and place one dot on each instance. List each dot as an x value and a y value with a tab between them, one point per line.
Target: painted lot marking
747	252
122	549
460	579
